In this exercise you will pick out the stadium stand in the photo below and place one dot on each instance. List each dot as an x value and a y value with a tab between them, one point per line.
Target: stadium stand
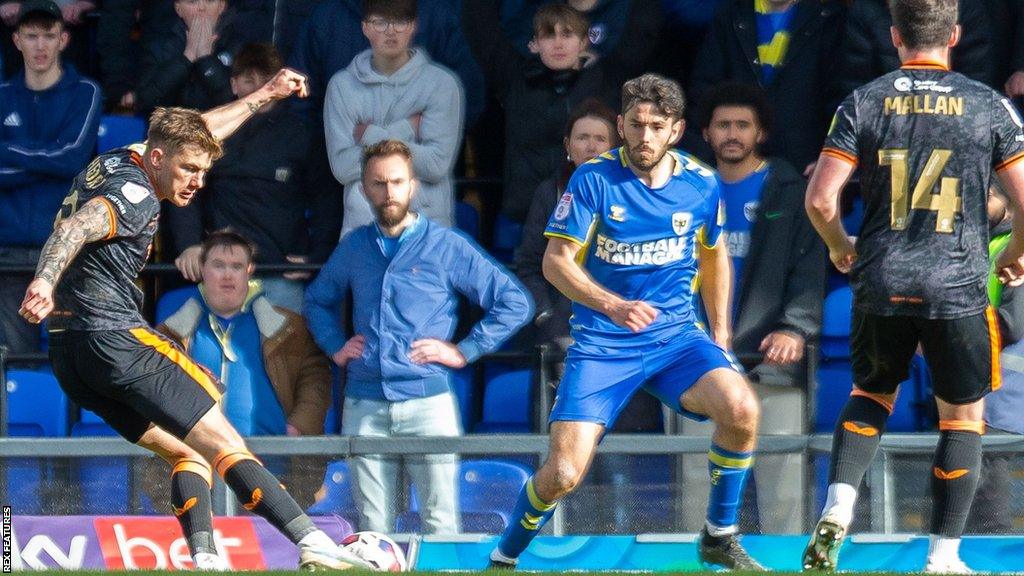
487	491
119	131
36	404
506	401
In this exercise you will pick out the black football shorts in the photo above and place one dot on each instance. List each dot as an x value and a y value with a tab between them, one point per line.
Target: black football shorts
962	353
133	377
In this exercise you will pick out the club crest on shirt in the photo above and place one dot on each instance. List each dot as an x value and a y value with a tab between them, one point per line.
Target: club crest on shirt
562	210
750	210
618	213
681	222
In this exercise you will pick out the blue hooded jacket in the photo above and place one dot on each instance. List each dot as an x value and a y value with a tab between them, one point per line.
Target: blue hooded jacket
46	138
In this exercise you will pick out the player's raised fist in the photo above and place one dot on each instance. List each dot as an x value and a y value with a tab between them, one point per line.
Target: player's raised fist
633	314
38	302
285	83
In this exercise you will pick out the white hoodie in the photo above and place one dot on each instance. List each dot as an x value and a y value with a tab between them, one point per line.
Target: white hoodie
360	94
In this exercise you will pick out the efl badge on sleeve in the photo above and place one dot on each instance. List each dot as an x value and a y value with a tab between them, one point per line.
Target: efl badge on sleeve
564	204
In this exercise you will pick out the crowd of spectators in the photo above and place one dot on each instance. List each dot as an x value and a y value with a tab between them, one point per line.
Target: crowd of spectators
534	83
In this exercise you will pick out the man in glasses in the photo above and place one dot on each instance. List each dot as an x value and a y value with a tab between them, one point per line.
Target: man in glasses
393	91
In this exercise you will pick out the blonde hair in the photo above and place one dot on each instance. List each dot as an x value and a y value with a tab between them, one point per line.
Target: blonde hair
175	128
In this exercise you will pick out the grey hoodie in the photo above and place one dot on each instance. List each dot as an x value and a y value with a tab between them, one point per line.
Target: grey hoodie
361	95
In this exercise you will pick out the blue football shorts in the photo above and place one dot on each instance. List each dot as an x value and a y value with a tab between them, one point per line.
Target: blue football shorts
599	380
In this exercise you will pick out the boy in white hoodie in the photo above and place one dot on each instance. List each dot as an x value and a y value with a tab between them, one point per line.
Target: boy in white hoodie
393	91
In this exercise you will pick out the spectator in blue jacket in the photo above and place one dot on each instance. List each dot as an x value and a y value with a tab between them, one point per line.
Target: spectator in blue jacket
405	273
50	115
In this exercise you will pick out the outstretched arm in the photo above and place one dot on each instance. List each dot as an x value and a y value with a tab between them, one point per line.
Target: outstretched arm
224	120
91	223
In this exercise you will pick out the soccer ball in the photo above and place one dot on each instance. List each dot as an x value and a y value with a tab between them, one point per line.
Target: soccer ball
377	550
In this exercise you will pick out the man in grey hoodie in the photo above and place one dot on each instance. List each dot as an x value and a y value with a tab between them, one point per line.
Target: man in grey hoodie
392	91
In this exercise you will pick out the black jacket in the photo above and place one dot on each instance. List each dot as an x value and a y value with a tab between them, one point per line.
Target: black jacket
868	51
552	308
538	101
167	78
801	94
262	190
783	284
118	52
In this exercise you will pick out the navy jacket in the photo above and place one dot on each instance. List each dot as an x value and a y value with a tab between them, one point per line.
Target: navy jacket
802	96
407	298
46	139
783	282
333	36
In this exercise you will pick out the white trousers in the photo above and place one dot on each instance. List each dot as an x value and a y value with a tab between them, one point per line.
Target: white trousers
377	479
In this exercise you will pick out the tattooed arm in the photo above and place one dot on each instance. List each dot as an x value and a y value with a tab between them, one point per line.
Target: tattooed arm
224	120
91	223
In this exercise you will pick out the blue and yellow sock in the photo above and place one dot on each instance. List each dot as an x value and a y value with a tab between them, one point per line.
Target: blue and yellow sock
729	471
529	516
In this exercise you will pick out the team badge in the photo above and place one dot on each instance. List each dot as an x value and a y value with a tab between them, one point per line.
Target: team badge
282	174
562	210
618	213
750	210
681	222
111	163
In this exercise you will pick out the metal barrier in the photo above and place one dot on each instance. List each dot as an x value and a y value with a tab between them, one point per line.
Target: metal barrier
880	475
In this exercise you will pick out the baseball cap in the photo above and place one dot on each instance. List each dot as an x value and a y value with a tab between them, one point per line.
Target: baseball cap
43	6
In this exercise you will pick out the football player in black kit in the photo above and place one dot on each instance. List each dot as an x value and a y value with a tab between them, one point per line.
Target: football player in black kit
110	361
927	141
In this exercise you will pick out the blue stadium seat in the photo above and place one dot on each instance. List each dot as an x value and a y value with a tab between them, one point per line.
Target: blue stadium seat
506	402
36	404
332	421
170	301
853	219
488	490
467	219
119	131
835	376
835	324
337	494
103	482
89	424
465	393
507	235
